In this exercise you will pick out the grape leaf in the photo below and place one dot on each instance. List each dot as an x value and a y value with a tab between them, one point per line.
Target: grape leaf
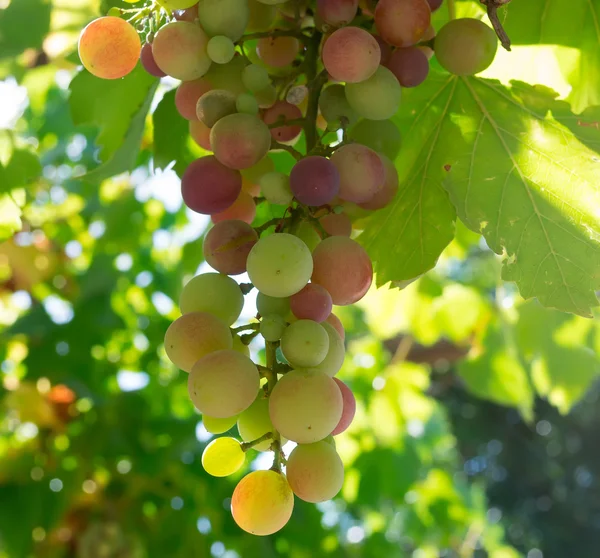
10	217
23	25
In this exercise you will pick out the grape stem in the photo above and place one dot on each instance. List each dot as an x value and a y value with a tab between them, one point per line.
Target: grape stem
271	383
293	152
246	287
315	83
246	327
492	10
265	226
451	9
247	339
281	121
248	445
273	35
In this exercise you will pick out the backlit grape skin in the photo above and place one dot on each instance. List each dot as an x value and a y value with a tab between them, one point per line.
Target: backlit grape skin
223	457
313	302
148	62
361	172
402	23
227	245
315	180
278	52
351	54
304	343
187	95
349	408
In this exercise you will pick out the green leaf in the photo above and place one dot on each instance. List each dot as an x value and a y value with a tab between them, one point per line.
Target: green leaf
23	25
22	168
10	217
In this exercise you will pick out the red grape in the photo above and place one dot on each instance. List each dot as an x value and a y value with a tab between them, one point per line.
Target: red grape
278	52
389	189
200	133
282	110
243	209
313	302
227	245
410	66
148	62
361	172
402	23
351	54
337	224
187	95
314	180
337	12
349	409
337	324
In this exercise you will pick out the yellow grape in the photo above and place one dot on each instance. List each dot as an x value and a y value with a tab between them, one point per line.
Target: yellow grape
223	457
218	425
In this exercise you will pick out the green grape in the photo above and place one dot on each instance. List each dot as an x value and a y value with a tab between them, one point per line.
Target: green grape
308	234
254	173
224	17
266	97
240	346
275	187
255	422
214	105
336	353
376	98
334	106
269	305
218	425
193	336
220	49
315	472
228	76
382	136
246	103
272	2
114	12
262	502
223	457
172	5
255	78
262	16
272	327
304	344
329	440
214	293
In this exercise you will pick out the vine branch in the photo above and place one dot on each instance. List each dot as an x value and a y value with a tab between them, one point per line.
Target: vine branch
492	11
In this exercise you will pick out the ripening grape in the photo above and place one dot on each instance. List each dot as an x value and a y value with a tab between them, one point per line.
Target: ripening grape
333	361
247	103
109	47
315	472
349	408
187	95
243	209
228	76
224	17
200	133
255	78
337	224
283	111
220	49
254	173
223	383
288	8
334	321
465	46
148	62
227	245
255	422
402	23
261	16
388	192
272	327
252	189
239	141
376	98
337	12
351	54
266	97
305	406
189	14
410	66
313	302
361	172
214	293
304	343
218	425
382	136
315	180
278	52
223	457
342	266
279	265
172	5
214	105
334	106
209	187
262	502
275	187
269	305
386	50
308	234
193	336
429	34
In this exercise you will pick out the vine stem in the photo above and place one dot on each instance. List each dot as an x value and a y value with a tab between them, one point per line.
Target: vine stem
451	9
246	327
248	445
271	383
273	35
315	84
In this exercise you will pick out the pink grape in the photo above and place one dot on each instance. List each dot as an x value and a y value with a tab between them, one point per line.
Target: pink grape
337	12
109	47
386	50
282	110
388	192
410	66
278	52
315	180
337	324
361	172
243	208
351	54
313	302
342	266
337	224
349	408
227	245
209	187
189	14
200	133
148	62
187	95
402	23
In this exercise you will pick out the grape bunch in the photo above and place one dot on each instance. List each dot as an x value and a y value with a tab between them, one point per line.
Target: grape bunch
321	81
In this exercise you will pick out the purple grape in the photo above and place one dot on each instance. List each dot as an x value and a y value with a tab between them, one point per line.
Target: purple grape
314	181
409	65
148	62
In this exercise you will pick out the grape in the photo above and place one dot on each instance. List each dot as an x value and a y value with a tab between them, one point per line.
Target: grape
214	105
261	17
337	224
335	355
307	233
382	136
240	346
410	66
214	293
269	305
189	14
255	78
223	457
228	76
386	50
218	425
305	406
255	172
180	50
389	190
200	133
289	7
349	407
262	502
224	17
465	46
313	302
304	343
209	187
275	187
255	422
252	189
351	54
194	335
239	140
227	245
342	266
334	321
187	95
109	47
272	327
434	4
429	34
315	472
376	98
247	103
284	111
334	106
315	180
278	52
243	209
148	62
266	97
220	49
279	265
171	5
402	22
272	2
223	383
361	172
337	12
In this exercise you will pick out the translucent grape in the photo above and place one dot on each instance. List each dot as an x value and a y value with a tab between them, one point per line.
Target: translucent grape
390	187
187	95
214	293
275	187
402	23
313	302
247	103
243	209
193	336
172	5
200	133
465	46
278	52
223	383
272	327
255	422
334	321
223	457
214	105
255	78
410	66
220	49
109	47
148	62
209	187
333	361
266	97
283	111
337	224
337	12
376	98
304	343
382	136
261	17
262	502
305	406
342	266
252	189
351	54
180	50
268	305
239	141
228	76
254	173
227	245
308	234
349	408
218	425
315	180
279	265
224	17
315	472
361	172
